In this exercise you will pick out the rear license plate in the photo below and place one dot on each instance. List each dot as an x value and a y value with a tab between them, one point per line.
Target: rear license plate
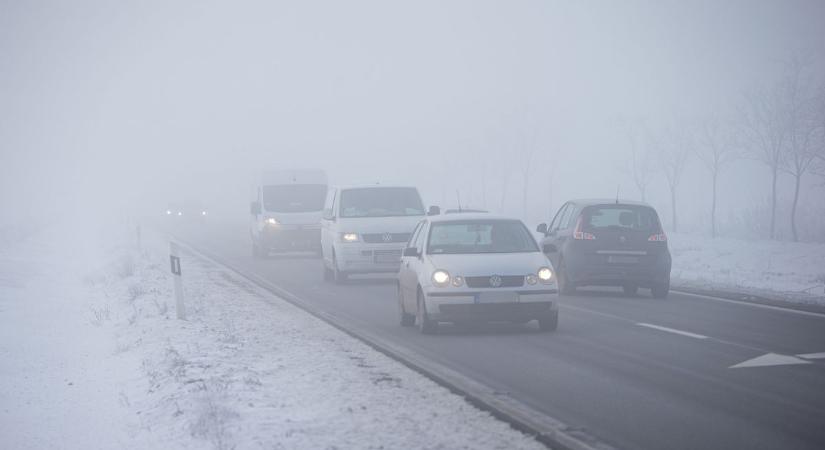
498	297
615	259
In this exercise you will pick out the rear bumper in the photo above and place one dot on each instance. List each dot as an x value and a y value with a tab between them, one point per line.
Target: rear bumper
582	272
457	307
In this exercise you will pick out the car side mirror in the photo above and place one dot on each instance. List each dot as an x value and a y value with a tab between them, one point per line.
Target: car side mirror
328	214
549	248
411	251
542	228
255	208
434	211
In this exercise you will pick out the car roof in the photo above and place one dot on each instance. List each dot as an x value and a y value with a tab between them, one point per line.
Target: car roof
367	186
607	201
464	217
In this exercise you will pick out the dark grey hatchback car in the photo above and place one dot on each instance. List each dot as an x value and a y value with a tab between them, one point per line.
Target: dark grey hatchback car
608	243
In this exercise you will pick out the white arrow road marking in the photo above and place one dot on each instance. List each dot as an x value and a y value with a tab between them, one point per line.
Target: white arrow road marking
770	359
674	331
812	355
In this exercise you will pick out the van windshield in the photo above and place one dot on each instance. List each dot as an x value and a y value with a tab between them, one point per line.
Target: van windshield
620	218
381	202
294	198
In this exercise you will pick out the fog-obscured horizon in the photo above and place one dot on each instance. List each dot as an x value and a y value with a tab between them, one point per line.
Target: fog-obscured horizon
121	108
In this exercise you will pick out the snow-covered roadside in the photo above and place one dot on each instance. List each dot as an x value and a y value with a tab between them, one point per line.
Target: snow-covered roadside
247	370
781	270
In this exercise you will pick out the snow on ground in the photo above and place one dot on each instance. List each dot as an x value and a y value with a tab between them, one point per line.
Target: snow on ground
783	270
91	356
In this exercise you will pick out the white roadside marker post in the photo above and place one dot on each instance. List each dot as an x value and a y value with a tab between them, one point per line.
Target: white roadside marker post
174	261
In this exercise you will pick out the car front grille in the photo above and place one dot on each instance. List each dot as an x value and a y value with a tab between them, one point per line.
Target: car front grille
486	282
385	238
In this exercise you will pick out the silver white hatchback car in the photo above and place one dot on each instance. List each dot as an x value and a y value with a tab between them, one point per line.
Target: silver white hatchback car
475	267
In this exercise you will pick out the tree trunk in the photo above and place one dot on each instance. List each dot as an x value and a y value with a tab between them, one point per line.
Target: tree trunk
793	207
673	205
713	207
773	201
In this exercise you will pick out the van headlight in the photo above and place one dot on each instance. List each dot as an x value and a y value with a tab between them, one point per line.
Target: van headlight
545	275
349	237
441	278
271	221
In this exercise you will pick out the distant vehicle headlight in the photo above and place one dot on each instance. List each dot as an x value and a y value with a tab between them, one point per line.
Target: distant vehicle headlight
545	274
168	212
349	237
441	278
203	213
458	281
271	221
531	279
180	213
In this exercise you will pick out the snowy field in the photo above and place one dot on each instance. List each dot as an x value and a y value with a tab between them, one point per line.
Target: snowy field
781	270
91	356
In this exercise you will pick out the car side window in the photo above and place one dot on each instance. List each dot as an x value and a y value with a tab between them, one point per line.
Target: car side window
574	216
559	215
563	223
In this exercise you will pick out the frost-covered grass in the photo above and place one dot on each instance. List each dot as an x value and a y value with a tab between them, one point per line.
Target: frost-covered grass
760	266
94	358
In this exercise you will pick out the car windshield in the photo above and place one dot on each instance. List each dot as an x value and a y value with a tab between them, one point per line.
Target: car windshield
488	236
620	218
294	198
381	202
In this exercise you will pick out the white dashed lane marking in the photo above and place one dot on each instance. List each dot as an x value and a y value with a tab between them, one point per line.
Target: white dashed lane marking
672	330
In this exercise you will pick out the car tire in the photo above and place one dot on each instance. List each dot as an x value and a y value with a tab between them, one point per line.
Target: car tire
630	290
406	319
565	286
422	319
660	292
550	322
337	275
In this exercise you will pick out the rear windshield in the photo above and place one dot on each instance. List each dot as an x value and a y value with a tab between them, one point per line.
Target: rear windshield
495	236
294	198
381	202
620	218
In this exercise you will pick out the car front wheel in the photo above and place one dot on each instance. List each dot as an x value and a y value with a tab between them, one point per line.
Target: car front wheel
406	319
422	319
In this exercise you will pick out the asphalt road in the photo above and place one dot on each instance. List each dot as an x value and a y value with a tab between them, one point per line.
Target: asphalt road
633	371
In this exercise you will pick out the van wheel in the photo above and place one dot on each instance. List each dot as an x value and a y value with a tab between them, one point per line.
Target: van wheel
550	322
422	319
337	275
407	320
630	289
565	286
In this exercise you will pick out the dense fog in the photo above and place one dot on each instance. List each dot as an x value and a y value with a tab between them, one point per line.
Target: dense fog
117	108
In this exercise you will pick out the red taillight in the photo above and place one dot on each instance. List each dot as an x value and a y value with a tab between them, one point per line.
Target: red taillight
660	237
579	235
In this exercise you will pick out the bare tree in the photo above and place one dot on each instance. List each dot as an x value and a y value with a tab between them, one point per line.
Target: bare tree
716	150
673	153
640	165
802	126
763	131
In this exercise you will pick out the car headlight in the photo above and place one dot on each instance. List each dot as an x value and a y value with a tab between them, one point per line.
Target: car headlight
545	275
458	281
441	278
531	279
271	221
180	213
203	213
168	212
349	237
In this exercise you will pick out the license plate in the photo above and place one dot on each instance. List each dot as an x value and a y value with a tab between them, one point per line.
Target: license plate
614	259
387	259
498	297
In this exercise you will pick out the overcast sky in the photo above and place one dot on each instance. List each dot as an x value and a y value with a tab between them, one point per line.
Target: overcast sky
131	103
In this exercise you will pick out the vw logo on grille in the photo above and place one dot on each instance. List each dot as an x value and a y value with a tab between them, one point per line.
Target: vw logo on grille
387	237
495	281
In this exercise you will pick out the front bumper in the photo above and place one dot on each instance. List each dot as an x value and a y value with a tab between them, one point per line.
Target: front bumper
505	305
369	258
294	237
